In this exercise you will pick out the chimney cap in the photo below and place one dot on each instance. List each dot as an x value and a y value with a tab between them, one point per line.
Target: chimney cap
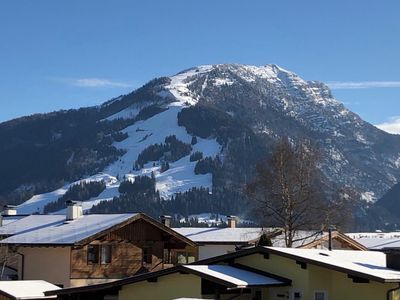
165	217
71	202
231	217
9	206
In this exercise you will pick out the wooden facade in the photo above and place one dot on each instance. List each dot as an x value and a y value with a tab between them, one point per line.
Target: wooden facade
137	247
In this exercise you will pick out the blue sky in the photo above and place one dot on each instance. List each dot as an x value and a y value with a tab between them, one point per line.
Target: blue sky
68	54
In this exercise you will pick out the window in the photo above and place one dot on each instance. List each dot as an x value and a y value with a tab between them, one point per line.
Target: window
297	295
105	254
257	295
93	254
320	295
99	254
147	255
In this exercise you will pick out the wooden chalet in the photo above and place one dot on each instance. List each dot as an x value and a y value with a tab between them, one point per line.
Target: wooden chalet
86	249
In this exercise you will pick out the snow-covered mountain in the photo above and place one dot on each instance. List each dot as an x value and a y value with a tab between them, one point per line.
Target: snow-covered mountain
236	113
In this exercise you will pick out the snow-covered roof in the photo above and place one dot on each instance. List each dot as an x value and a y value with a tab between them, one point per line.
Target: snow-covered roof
220	235
377	240
301	238
370	263
27	289
234	276
54	229
9	219
29	223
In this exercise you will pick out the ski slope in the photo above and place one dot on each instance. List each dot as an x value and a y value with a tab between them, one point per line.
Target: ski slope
180	177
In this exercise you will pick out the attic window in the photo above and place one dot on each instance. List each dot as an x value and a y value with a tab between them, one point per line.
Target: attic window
105	254
99	254
93	254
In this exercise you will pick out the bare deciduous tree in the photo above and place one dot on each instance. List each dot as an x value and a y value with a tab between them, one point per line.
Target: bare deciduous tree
287	190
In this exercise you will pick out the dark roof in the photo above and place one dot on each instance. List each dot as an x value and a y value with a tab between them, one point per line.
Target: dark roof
182	269
230	257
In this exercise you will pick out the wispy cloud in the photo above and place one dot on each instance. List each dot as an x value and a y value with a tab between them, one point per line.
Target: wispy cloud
344	85
93	82
391	126
99	82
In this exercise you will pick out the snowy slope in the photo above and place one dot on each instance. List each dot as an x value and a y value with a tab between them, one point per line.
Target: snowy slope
179	178
270	100
38	202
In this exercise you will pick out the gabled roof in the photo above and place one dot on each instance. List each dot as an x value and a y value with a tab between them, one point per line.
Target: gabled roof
55	230
234	277
215	235
369	265
26	289
303	238
229	276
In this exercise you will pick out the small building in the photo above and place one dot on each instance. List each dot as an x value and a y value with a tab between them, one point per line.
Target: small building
76	249
214	241
307	239
262	273
26	290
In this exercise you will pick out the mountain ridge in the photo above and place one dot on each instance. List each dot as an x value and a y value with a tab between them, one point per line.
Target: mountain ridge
252	106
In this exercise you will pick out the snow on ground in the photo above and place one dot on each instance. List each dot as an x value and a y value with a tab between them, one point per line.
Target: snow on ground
179	87
397	162
38	202
222	81
108	194
213	219
179	178
368	197
127	113
207	218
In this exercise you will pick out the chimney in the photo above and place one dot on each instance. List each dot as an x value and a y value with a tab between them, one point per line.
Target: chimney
231	221
330	229
166	220
74	210
9	210
392	258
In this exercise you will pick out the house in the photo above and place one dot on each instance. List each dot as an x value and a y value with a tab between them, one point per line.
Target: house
214	241
25	289
319	240
76	249
268	273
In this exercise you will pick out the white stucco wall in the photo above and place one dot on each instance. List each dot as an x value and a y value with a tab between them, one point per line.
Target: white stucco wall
206	251
51	264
